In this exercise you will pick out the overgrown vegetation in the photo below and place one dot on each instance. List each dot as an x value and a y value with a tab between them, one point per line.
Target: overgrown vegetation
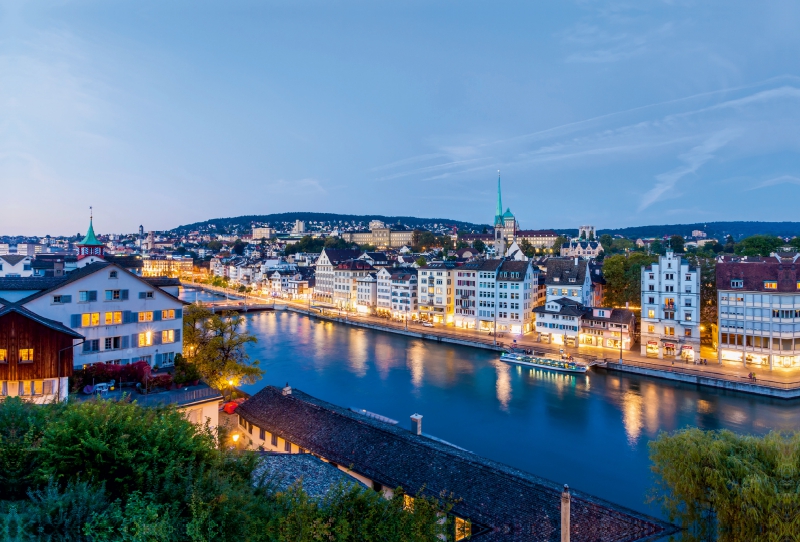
115	471
722	486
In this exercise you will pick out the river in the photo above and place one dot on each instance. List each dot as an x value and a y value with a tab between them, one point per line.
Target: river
589	431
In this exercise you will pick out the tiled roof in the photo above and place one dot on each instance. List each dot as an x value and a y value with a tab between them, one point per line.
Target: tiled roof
317	477
354	265
510	266
161	282
336	255
753	275
536	233
565	269
567	307
30	283
511	505
7	307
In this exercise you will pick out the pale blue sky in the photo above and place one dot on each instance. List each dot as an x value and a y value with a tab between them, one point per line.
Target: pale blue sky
607	113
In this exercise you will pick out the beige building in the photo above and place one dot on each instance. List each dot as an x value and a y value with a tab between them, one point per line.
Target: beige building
380	236
166	267
345	282
263	233
436	298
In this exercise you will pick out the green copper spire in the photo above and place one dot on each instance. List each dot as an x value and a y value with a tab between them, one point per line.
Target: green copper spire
90	239
498	214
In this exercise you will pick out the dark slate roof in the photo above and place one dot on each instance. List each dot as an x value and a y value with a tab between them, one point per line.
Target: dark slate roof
8	307
354	265
30	283
510	504
128	262
567	307
616	316
336	255
565	269
754	273
536	233
317	477
161	282
43	264
596	273
13	259
511	266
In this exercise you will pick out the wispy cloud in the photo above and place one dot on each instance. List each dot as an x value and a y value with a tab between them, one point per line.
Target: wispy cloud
782	179
693	160
412	160
428	169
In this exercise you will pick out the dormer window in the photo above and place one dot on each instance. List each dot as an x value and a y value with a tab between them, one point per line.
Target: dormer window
555	279
112	274
572	279
770	284
738	284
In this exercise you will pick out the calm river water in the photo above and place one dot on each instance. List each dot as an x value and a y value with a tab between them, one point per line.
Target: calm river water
590	431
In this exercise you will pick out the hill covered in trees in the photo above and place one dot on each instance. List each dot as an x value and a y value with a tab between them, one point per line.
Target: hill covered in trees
277	219
718	230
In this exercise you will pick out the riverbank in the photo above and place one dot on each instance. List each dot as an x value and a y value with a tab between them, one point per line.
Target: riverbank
726	377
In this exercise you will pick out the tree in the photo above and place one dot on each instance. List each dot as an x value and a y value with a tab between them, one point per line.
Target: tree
238	247
622	245
479	245
758	245
421	261
721	486
657	247
730	245
676	244
214	246
558	243
215	344
527	248
422	240
607	241
623	275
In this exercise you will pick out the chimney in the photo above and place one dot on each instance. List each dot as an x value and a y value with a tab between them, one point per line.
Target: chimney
565	500
287	390
416	424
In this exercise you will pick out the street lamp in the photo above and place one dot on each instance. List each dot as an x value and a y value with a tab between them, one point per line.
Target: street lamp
230	385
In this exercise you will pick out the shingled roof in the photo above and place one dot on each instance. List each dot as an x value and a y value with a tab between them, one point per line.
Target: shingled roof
13	259
561	270
503	503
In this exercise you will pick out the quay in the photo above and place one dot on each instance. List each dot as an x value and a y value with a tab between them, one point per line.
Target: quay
733	377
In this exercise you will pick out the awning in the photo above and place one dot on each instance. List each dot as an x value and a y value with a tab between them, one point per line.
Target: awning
652	343
669	345
687	347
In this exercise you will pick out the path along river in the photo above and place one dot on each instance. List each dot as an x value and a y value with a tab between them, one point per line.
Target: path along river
590	431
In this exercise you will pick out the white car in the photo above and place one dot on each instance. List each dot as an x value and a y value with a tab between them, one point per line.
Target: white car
427	324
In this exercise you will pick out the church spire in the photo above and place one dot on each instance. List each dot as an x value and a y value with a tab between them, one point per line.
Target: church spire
498	214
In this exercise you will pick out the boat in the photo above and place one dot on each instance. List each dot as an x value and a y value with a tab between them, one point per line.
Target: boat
561	365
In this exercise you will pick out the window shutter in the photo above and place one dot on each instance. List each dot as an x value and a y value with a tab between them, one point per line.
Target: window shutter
108	295
92	295
135	340
134	317
177	335
75	321
156	316
157	338
178	313
126	317
126	341
158	359
124	294
141	295
66	299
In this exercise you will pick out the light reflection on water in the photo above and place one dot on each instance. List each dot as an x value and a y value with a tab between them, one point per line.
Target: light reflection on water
590	431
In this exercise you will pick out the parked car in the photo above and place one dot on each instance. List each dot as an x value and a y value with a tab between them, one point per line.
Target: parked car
427	324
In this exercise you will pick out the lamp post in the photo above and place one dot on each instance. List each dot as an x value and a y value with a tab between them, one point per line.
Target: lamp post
58	362
230	386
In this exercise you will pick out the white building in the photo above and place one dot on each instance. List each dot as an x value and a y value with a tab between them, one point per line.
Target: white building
383	299
345	286
366	293
327	261
123	317
466	295
404	288
670	309
16	265
570	278
506	294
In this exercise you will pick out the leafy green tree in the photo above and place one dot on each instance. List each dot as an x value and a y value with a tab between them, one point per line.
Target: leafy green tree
421	261
621	245
758	245
558	243
527	248
722	486
657	247
214	245
676	244
423	240
479	245
607	241
730	245
623	275
216	345
238	247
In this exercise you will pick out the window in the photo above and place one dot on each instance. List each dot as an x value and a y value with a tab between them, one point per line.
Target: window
92	345
651	313
651	328
113	343
146	316
770	284
687	316
90	319
146	339
652	288
26	355
60	299
263	434
287	446
145	295
737	284
651	300
274	440
113	295
688	331
168	315
168	336
113	318
669	331
688	277
86	296
112	275
3	355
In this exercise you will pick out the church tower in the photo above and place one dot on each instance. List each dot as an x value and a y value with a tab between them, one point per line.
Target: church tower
499	225
90	246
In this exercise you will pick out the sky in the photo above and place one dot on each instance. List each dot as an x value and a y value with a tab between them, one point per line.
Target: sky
605	113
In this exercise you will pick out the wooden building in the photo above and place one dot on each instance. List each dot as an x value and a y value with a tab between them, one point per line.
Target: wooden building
35	355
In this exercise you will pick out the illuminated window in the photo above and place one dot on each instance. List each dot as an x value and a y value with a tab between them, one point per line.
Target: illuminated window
651	328
770	284
3	355
25	355
168	315
90	319
463	529
113	318
651	313
146	316
146	339
408	502
168	336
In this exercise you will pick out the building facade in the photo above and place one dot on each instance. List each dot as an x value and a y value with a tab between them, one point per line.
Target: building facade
404	287
366	293
570	278
380	236
345	286
436	292
670	309
324	274
759	311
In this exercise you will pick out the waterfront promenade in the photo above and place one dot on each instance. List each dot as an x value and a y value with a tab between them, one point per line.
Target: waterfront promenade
779	382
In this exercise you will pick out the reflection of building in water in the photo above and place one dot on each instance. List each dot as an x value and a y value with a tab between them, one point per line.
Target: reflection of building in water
503	384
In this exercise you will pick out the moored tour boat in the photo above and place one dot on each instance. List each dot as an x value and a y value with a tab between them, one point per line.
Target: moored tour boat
564	366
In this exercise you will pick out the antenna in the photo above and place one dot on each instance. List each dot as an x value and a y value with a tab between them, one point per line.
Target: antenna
90	213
